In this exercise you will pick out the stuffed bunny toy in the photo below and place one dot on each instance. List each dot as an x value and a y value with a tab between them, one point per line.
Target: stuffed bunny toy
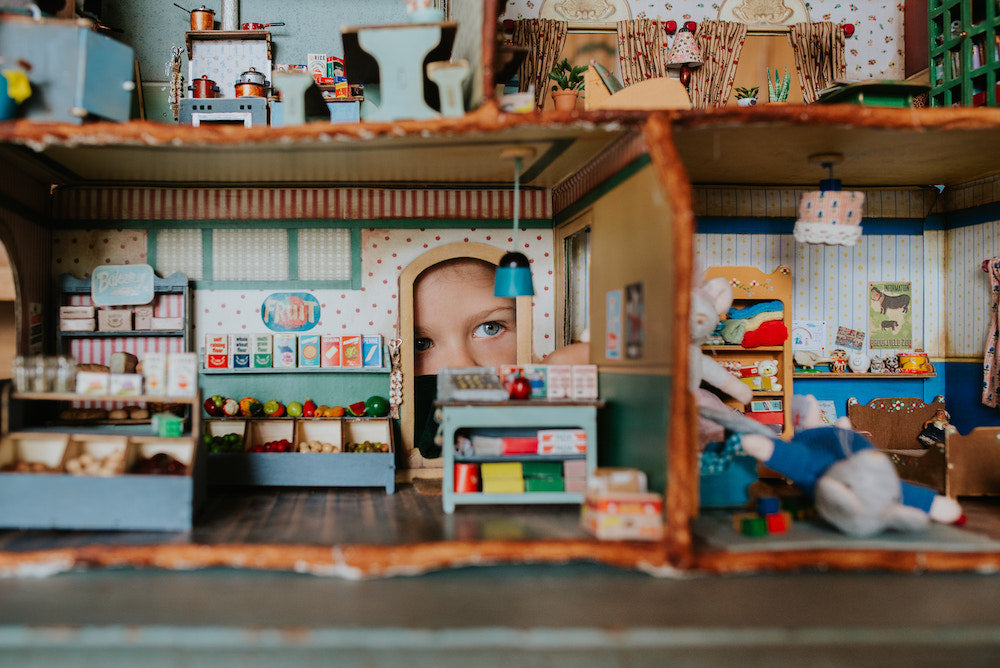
709	303
855	486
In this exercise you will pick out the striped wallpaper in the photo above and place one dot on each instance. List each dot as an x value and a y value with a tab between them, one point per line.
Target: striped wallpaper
967	293
831	282
278	203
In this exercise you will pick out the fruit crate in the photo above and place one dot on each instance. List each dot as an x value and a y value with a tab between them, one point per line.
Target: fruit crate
307	469
123	501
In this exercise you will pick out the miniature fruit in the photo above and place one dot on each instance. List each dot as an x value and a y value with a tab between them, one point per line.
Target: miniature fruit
321	410
308	408
250	407
357	409
377	406
294	409
520	389
335	411
230	408
213	406
274	408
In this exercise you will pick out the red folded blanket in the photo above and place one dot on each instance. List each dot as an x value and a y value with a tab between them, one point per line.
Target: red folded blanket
770	333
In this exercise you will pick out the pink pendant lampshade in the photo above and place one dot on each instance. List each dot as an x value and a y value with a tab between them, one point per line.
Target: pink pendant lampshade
684	51
829	215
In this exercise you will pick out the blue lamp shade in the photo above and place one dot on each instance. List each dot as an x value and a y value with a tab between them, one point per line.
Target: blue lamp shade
513	277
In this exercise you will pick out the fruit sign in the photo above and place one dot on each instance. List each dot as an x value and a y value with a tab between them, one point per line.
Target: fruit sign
290	312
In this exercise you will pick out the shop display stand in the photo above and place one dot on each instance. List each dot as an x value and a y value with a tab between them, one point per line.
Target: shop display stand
531	414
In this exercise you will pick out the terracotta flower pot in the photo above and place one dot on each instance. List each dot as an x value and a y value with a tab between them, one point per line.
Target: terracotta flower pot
565	100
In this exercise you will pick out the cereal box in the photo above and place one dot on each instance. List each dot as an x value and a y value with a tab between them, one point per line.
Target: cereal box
309	347
285	350
350	351
585	381
216	351
330	350
182	374
371	350
559	381
239	351
261	347
154	371
317	64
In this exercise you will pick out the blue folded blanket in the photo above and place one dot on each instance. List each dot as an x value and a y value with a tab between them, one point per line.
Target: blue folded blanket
754	309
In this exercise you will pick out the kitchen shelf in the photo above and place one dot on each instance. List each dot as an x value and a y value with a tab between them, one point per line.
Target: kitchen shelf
487	459
73	396
131	333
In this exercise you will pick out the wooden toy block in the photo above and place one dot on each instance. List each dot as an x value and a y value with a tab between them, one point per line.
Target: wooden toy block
767	505
777	522
753	527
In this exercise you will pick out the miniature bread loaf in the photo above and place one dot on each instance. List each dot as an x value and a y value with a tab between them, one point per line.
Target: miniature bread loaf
122	362
95	368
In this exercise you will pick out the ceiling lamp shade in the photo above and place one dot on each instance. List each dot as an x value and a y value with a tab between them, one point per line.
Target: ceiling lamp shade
513	277
829	215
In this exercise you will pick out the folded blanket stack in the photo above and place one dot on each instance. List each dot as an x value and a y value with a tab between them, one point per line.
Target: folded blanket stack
759	324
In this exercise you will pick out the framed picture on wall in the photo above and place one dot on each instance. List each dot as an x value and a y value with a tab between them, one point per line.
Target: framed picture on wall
890	320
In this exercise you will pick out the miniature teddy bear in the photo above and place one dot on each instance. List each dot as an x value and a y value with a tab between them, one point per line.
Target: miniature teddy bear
709	302
768	378
838	360
891	363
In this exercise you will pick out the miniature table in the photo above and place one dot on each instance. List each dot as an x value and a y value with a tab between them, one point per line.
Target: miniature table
540	414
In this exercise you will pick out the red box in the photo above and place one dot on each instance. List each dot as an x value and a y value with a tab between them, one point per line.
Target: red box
520	445
777	523
350	351
466	478
330	355
767	417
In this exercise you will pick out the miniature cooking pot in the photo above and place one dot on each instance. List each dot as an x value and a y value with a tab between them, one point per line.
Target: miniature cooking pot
251	84
258	26
203	18
203	87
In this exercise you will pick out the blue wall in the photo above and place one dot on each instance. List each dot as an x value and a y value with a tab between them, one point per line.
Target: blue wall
964	385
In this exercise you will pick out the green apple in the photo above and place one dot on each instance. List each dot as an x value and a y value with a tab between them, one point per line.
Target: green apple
294	409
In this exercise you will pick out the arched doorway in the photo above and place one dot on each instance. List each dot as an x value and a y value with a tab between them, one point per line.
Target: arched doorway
8	326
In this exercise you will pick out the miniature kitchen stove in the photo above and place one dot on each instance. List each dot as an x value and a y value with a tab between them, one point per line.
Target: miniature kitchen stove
250	111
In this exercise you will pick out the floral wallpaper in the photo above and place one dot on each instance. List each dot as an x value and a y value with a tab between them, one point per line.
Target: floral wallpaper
875	51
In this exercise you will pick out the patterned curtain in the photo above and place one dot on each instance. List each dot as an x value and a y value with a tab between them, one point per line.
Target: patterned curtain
641	50
721	43
819	56
991	371
545	39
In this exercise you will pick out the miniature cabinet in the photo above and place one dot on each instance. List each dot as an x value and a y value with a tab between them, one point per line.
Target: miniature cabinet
456	418
964	45
772	395
157	483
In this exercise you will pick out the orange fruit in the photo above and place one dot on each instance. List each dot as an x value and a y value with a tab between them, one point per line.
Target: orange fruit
336	411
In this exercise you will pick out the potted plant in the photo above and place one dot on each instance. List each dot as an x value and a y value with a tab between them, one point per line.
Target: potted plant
747	97
777	90
569	83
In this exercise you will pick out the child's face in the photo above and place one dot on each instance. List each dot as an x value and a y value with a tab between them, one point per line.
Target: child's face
457	320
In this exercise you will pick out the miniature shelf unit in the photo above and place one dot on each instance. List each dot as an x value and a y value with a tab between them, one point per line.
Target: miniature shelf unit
304	469
750	286
964	52
469	417
33	438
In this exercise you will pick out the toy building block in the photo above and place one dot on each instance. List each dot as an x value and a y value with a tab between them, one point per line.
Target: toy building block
777	522
753	527
767	505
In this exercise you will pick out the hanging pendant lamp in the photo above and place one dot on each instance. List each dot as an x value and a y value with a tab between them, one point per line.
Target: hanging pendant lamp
829	215
513	278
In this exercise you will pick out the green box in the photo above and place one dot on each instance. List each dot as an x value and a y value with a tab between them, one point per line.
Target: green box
544	485
542	469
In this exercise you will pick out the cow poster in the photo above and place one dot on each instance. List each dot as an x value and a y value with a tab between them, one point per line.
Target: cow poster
890	321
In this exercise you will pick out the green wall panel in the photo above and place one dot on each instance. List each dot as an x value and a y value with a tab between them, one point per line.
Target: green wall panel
633	424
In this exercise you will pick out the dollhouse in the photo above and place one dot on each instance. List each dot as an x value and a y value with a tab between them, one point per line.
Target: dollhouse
660	193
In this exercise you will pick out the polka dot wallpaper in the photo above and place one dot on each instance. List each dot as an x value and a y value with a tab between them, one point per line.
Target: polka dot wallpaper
374	309
874	52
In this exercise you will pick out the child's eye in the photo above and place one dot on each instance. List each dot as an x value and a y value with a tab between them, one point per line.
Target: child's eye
488	329
422	344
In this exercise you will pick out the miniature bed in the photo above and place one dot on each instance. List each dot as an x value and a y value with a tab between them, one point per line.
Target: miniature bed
893	425
963	466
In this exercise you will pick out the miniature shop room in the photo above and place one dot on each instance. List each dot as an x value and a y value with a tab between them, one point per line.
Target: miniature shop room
225	273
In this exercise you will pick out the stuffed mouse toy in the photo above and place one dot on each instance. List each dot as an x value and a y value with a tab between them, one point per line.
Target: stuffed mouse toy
855	486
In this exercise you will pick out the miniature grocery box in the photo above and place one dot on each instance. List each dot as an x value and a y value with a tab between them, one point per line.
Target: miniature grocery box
559	381
143	317
182	374
330	350
76	313
240	351
92	382
77	325
562	442
350	351
285	350
309	350
585	381
167	324
124	384
624	516
216	351
371	350
154	371
262	351
537	375
114	320
466	478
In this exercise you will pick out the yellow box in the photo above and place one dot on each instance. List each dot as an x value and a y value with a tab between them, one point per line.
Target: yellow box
501	485
502	470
